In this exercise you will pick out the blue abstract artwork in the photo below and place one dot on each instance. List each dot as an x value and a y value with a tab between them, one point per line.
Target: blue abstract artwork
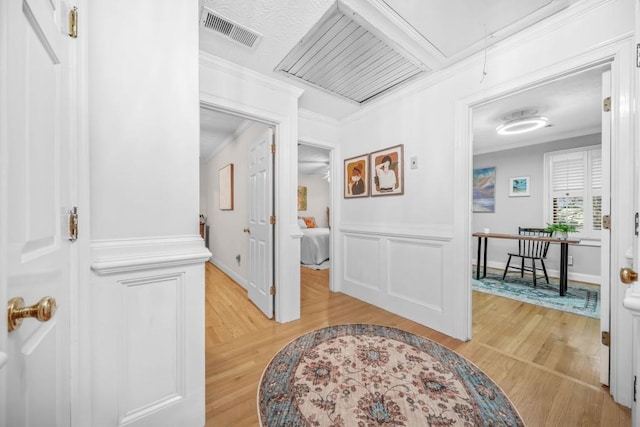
484	189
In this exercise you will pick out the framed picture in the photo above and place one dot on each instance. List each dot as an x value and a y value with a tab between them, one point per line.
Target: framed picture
519	186
387	171
484	190
302	198
225	187
356	180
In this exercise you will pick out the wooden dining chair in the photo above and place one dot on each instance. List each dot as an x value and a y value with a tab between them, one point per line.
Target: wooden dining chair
530	249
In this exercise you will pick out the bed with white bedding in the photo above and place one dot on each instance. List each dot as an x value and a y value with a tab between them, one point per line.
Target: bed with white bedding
314	246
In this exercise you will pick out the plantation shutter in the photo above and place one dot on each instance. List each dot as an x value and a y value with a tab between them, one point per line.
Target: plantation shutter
568	173
596	188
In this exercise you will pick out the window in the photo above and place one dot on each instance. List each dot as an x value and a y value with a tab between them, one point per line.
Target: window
573	189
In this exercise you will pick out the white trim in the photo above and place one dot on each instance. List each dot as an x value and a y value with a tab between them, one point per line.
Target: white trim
617	52
242	281
335	187
239	130
541	29
318	118
126	255
578	277
430	232
283	116
216	63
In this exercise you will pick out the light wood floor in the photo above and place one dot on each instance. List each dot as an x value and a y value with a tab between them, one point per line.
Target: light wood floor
546	361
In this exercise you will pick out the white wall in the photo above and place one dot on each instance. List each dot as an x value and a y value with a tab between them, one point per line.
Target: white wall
147	258
227	239
512	212
402	252
318	192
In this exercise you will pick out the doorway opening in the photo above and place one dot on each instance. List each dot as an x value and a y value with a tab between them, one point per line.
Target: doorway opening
314	212
573	106
228	204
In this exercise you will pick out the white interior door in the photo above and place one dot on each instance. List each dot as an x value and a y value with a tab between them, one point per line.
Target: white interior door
260	207
605	248
36	184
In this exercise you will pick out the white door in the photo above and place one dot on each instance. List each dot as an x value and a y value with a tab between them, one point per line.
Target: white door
260	207
605	243
36	183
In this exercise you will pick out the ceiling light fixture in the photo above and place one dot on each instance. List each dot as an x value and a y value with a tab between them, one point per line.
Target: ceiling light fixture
521	122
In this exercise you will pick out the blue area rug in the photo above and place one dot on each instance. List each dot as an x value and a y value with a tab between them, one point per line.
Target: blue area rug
579	299
370	375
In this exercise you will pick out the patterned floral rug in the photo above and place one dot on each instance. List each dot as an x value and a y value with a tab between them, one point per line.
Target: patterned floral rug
368	375
583	300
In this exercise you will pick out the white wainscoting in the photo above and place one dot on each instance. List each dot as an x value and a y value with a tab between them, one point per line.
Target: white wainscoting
402	270
148	332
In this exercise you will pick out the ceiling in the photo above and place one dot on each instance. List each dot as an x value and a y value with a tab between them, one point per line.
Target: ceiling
431	34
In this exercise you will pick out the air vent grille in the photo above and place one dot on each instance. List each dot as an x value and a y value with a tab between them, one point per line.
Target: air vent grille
341	56
214	21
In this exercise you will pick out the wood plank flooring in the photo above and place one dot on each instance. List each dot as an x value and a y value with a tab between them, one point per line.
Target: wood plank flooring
546	361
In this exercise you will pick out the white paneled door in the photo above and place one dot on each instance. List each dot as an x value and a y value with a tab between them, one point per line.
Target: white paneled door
260	205
37	181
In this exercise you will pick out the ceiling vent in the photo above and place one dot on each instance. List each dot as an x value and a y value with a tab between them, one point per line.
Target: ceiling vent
214	21
340	56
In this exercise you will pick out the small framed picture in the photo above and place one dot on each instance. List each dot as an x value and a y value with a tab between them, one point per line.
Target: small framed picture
519	186
225	187
356	180
387	171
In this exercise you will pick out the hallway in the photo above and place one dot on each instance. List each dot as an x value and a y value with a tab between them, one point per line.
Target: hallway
546	361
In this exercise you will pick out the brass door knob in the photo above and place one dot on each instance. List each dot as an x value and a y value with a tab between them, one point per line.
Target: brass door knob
43	310
627	275
247	230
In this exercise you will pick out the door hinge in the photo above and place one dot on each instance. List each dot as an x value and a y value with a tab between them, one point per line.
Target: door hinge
638	55
272	290
635	384
637	222
606	339
73	22
73	224
272	219
606	104
272	148
606	222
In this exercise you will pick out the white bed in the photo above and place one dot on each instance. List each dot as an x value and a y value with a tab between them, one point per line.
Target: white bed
314	247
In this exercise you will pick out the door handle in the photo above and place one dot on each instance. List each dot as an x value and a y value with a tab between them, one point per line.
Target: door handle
43	310
247	230
628	276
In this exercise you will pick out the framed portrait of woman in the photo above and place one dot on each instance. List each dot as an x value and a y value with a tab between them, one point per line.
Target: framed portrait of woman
387	171
356	183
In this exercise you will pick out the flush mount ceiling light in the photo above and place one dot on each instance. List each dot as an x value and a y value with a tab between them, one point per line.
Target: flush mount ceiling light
521	122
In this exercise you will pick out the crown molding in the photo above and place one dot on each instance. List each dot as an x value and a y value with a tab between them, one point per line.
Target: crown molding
541	29
214	62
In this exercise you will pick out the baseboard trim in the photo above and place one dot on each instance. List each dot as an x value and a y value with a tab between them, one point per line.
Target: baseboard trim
229	272
578	277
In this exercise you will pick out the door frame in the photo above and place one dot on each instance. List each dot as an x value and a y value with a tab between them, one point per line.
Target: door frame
277	123
334	194
618	55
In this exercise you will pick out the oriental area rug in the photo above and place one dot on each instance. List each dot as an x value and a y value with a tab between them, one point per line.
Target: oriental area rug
582	300
369	375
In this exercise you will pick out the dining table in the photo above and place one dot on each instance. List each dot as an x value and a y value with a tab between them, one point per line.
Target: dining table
564	253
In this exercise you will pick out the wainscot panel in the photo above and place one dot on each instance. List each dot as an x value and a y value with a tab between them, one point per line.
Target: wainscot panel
401	270
415	272
147	329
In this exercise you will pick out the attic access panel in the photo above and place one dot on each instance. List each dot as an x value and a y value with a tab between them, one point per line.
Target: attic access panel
340	56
